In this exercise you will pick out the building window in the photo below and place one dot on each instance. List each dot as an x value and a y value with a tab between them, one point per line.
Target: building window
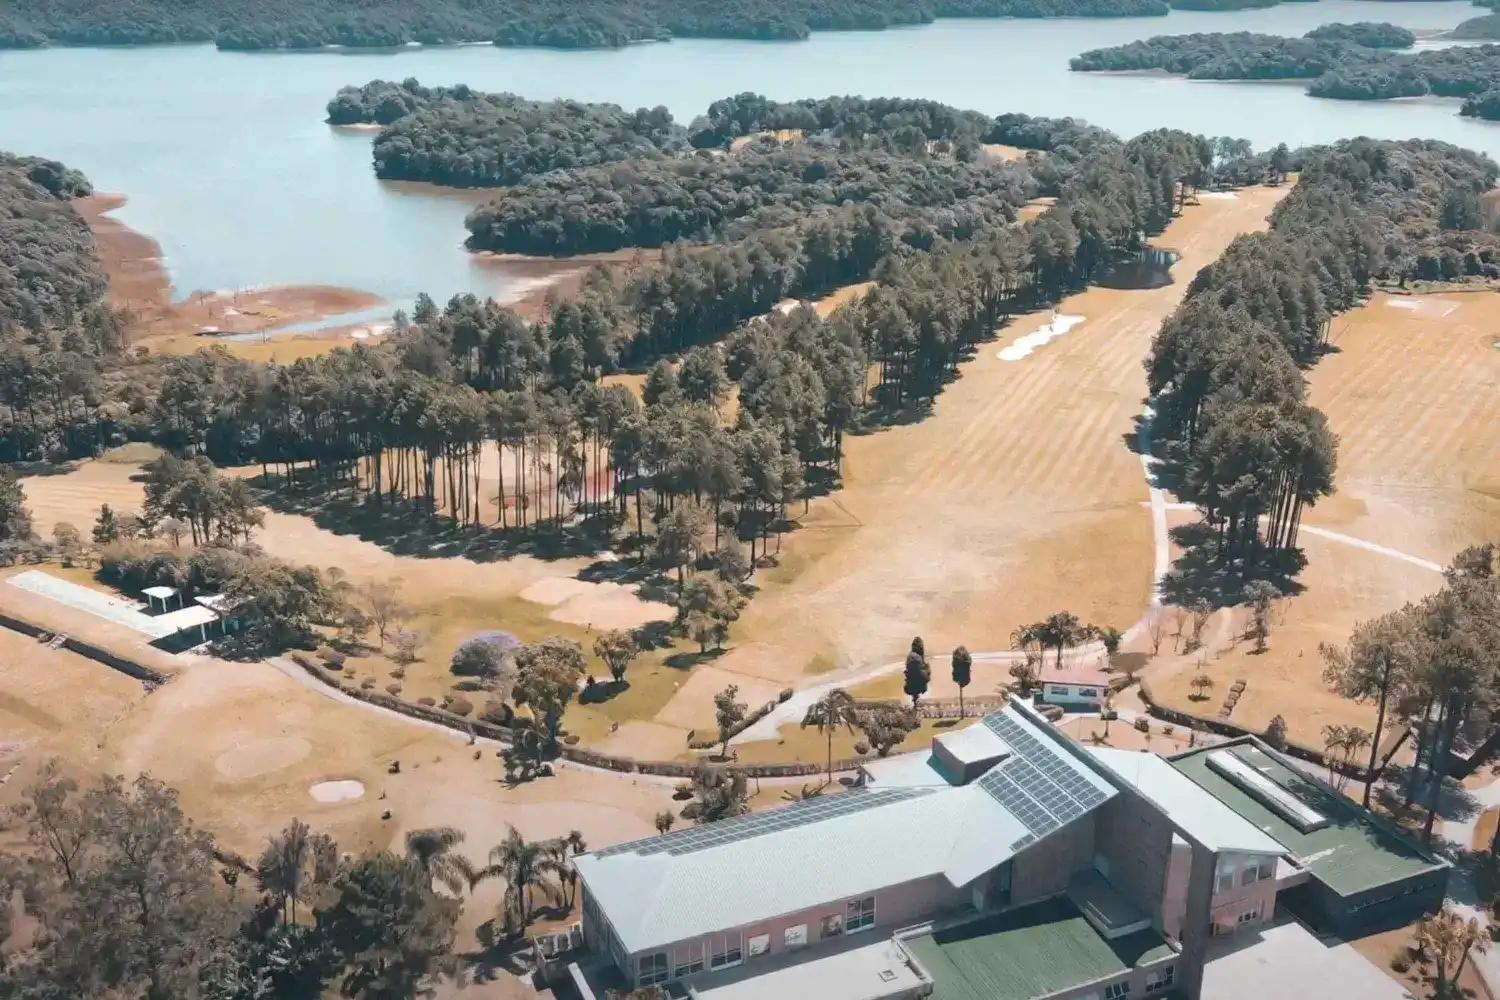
1059	690
652	969
1160	980
1225	876
1249	875
1248	916
859	914
795	937
1088	692
689	960
726	952
1267	868
758	945
1117	991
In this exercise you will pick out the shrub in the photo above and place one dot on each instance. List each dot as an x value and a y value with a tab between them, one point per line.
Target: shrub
484	654
1401	963
786	694
861	748
302	659
334	665
496	712
468	685
367	684
393	689
571	739
399	673
429	702
459	705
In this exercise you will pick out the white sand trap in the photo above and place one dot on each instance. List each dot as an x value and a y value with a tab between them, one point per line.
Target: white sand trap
610	605
553	590
1426	307
1051	331
1218	195
337	791
250	760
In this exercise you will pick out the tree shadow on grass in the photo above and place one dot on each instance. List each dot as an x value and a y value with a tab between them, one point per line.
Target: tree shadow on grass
602	691
1199	574
688	659
407	529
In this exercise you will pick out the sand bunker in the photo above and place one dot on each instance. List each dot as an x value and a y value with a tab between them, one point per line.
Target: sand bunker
1031	341
553	590
337	791
250	760
610	605
1433	308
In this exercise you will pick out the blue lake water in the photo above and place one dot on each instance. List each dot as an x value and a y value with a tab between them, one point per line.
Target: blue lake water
226	160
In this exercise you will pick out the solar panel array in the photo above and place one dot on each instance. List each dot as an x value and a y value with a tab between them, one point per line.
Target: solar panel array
729	831
1037	784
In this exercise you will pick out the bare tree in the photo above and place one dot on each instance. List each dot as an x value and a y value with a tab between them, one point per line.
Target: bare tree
389	611
1156	627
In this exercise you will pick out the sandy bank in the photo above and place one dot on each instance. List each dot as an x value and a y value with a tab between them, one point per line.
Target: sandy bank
139	284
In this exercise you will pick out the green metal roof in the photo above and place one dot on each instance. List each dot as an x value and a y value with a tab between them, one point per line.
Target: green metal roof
1354	852
1033	951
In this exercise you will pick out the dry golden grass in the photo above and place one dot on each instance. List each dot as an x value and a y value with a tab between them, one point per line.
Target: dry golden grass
1017	497
1411	394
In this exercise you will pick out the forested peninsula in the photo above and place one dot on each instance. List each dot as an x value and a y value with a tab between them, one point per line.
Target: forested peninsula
710	199
1336	65
464	138
286	24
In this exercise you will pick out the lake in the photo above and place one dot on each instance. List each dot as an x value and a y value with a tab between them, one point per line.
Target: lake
226	160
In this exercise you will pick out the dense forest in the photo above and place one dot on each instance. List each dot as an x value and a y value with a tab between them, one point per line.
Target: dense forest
708	198
1341	65
48	271
1242	55
491	140
285	24
1226	369
850	121
56	337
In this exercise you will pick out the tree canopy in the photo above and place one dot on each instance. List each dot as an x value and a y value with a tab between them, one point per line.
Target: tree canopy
463	138
1354	62
282	24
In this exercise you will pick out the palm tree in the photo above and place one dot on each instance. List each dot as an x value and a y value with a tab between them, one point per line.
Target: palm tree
434	851
525	866
1062	630
283	867
565	849
836	708
1448	938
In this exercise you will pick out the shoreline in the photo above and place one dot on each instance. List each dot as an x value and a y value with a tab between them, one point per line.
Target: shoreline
140	285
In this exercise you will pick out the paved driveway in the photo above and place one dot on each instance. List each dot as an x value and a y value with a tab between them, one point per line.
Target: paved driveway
1286	960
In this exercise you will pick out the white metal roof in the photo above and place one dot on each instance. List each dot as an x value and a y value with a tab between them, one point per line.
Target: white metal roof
1203	817
189	617
656	897
742	871
160	593
974	744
